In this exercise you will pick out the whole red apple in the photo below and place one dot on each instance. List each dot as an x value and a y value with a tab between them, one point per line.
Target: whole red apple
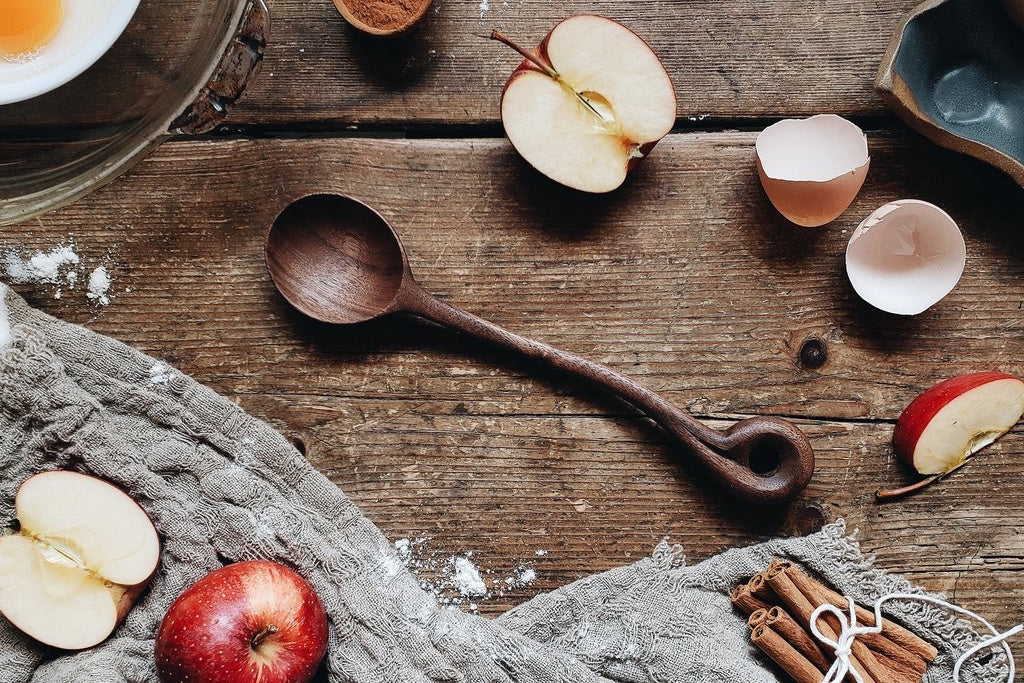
250	622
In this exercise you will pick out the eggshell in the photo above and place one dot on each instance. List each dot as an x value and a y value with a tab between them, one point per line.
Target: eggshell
812	168
905	257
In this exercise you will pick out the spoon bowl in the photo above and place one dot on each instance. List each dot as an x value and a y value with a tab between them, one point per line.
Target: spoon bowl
339	261
335	259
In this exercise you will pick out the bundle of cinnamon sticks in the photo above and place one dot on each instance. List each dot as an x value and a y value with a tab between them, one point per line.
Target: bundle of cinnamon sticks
779	602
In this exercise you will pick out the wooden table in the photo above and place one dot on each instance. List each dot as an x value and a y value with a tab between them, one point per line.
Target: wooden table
685	279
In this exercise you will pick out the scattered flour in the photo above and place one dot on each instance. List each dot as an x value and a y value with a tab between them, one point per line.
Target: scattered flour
467	579
484	6
99	285
159	374
41	266
540	553
456	580
59	267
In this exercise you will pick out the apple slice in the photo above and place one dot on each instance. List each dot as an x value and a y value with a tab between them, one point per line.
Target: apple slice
953	420
588	103
84	552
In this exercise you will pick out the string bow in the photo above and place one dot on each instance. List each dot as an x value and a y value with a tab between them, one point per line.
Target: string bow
849	630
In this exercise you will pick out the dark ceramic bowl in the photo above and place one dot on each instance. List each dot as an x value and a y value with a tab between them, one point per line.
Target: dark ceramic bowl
954	71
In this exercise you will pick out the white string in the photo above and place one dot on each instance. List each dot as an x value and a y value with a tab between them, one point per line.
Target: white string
849	630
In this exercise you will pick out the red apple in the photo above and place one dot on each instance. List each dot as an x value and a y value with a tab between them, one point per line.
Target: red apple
250	622
589	103
83	554
956	418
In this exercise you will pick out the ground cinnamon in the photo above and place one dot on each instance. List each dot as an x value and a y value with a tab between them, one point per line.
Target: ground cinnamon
386	15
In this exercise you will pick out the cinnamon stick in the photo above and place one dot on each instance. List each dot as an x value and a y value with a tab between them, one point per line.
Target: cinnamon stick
797	636
759	588
783	654
801	609
757	618
902	658
899	635
742	598
899	671
866	657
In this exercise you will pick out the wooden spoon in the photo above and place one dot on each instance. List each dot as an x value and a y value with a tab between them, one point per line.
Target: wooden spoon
339	261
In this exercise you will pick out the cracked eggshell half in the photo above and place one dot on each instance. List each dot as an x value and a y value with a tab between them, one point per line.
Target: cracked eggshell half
812	169
905	257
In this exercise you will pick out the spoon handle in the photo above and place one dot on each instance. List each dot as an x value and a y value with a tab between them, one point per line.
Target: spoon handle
759	459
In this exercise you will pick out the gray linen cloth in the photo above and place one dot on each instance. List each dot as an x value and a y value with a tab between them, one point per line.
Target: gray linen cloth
222	486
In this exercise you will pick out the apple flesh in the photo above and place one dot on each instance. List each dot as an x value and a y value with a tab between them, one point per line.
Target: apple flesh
589	103
82	555
953	420
250	622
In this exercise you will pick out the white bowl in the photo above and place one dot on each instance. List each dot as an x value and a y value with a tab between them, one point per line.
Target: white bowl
88	30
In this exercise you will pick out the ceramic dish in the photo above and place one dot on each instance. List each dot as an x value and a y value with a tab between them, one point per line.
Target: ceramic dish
176	68
954	71
87	31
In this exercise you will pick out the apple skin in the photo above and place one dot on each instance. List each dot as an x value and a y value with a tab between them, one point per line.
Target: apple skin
920	412
541	53
210	633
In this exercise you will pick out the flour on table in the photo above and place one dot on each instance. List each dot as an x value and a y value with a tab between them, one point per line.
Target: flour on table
467	578
99	285
460	579
43	266
60	268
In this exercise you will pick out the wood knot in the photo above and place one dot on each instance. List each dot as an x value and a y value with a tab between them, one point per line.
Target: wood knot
813	354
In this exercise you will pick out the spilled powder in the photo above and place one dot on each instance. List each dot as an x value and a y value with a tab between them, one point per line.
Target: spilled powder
467	579
99	284
40	267
60	268
386	15
456	580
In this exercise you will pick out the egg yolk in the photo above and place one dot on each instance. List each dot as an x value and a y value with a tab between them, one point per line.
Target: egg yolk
27	25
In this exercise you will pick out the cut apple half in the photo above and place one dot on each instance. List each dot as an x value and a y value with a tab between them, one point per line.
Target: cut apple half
952	421
83	553
588	103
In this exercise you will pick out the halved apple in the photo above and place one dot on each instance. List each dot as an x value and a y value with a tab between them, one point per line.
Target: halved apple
953	420
589	103
83	554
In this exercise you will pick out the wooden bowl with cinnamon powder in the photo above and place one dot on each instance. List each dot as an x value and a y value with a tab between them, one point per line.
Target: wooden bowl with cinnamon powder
383	17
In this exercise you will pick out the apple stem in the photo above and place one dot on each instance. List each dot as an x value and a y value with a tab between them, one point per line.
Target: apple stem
261	636
889	494
545	67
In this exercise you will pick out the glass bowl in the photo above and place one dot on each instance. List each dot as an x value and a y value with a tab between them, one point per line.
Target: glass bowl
176	69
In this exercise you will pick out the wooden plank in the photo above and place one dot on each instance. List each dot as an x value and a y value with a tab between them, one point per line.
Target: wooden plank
685	279
729	59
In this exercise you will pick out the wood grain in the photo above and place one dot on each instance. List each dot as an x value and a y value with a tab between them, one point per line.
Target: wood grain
685	280
729	60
